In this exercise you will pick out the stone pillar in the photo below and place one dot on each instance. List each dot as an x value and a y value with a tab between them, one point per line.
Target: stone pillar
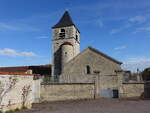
97	85
120	82
36	90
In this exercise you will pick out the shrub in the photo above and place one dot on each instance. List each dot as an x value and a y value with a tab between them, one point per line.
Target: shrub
17	109
23	107
9	111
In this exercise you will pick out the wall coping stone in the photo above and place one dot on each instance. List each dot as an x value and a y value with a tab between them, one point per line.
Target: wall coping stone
136	82
65	83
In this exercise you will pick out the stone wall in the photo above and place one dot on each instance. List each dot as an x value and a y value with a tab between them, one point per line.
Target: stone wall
132	90
65	91
36	90
15	91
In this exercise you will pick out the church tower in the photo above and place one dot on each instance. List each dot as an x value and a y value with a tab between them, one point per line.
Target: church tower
65	43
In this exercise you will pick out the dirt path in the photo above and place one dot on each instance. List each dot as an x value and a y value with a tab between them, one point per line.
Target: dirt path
92	106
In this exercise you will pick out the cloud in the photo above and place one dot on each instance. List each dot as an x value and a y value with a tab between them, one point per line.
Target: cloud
142	29
114	31
120	47
123	27
100	23
135	63
138	19
12	52
4	26
146	28
42	37
17	27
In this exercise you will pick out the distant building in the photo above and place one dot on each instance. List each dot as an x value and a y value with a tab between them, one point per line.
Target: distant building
146	74
43	70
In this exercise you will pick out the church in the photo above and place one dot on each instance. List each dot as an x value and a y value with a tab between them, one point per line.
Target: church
69	65
88	74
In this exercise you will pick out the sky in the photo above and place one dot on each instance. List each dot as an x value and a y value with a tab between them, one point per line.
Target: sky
118	28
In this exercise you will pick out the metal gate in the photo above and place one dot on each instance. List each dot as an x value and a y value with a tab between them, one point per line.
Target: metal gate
109	93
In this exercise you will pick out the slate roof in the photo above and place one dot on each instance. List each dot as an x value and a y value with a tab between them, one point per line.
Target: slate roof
65	21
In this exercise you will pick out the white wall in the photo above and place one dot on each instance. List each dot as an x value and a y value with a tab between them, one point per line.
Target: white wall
14	90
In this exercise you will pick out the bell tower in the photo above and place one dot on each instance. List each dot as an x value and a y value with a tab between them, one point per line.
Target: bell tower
65	43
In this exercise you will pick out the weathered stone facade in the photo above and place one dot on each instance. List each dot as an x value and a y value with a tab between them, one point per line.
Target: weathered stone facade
135	90
65	43
59	50
132	90
76	69
102	71
65	91
89	66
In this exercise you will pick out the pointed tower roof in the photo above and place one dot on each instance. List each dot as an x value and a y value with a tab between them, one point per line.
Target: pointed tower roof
65	21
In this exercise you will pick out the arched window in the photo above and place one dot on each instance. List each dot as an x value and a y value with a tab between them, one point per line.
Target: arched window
62	30
62	33
88	69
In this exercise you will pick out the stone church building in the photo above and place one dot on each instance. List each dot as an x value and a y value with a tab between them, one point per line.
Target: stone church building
80	75
72	66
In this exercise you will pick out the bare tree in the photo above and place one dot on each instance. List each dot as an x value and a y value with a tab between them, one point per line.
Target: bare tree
6	87
25	92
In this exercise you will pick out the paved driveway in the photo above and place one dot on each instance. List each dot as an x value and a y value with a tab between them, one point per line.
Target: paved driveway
92	106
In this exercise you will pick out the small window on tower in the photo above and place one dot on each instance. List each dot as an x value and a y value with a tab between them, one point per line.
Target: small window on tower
63	30
62	33
76	37
65	53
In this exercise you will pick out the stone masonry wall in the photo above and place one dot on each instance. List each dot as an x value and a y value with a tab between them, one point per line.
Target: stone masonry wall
131	90
57	41
57	92
15	91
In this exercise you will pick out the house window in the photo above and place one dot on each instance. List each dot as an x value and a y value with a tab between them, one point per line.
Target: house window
62	33
88	69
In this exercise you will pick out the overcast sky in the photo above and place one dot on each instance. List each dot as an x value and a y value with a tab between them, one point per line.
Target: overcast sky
119	28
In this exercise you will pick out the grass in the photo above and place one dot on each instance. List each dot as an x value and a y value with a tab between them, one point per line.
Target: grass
15	110
9	111
23	107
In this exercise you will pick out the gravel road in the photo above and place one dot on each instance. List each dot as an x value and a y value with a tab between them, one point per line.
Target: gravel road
92	106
